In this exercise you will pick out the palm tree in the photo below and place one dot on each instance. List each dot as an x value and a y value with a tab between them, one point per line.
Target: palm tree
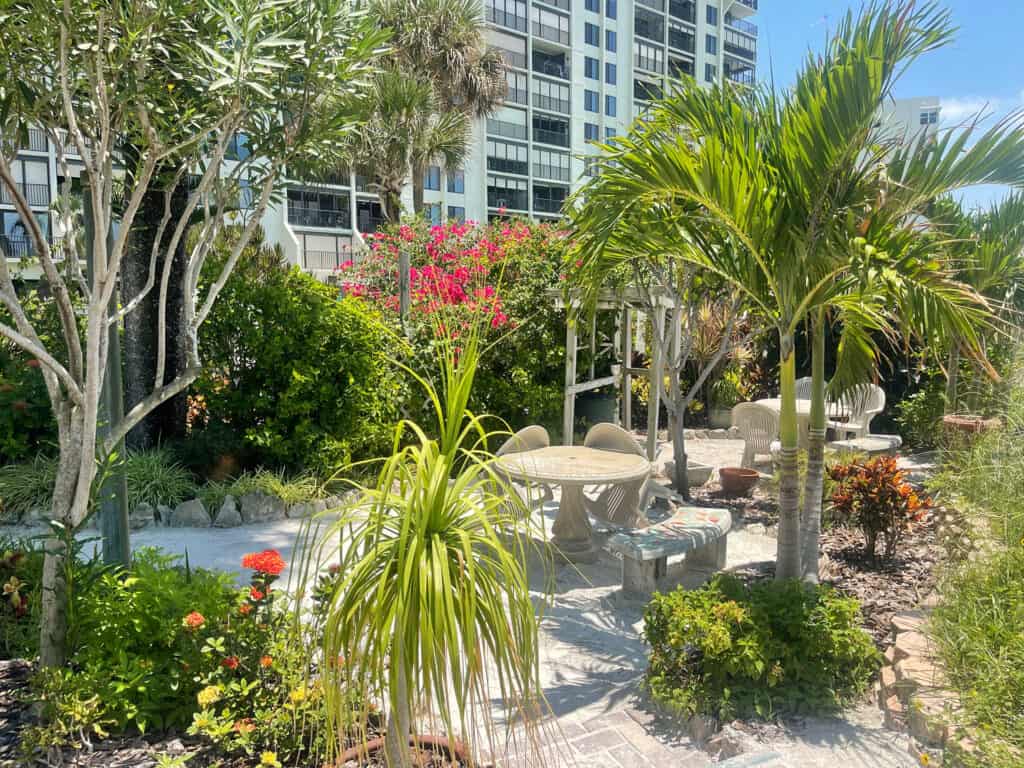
438	76
783	195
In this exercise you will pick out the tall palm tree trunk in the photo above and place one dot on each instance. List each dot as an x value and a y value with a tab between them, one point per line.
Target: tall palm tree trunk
814	482
788	566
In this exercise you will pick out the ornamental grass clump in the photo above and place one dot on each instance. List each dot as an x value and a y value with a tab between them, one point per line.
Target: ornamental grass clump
430	605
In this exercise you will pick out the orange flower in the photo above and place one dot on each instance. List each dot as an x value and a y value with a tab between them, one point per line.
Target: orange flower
266	661
255	595
193	621
269	561
231	662
245	609
245	725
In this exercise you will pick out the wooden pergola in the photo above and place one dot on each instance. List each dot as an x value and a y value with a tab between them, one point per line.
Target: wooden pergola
630	309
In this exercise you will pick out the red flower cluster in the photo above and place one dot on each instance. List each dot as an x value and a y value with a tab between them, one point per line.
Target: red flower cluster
268	562
193	621
231	662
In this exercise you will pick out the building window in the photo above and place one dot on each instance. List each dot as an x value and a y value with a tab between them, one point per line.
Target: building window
712	16
551	165
610	133
516	93
507	13
594	5
457	212
238	147
590	131
648	57
432	178
590	100
930	118
611	8
710	72
507	193
711	44
457	182
434	213
590	166
591	68
609	73
550	26
592	34
609	106
610	40
551	96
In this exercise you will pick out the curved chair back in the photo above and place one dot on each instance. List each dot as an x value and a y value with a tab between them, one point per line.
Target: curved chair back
526	439
862	402
610	437
803	388
758	426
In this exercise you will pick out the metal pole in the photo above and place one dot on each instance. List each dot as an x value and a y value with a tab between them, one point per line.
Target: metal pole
113	495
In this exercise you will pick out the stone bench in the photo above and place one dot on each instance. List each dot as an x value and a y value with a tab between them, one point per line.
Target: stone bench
698	534
872	445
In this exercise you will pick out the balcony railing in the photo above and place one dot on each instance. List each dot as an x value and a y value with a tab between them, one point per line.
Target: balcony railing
683	9
369	223
504	165
658	5
556	138
683	41
551	104
16	247
502	198
554	34
505	19
323	260
678	68
319	217
649	29
561	4
517	96
35	194
512	58
649	63
547	205
554	172
751	4
36	140
741	75
740	45
551	69
741	25
496	127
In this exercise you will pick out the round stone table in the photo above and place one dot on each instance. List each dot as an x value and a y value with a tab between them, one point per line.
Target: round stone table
573	467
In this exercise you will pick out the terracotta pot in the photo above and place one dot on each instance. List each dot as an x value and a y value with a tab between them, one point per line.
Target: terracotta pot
970	423
737	481
363	752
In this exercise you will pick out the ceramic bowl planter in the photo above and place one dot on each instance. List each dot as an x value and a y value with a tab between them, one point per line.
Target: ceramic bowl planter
737	481
969	423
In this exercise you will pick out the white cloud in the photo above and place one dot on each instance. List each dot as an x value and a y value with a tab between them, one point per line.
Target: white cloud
957	110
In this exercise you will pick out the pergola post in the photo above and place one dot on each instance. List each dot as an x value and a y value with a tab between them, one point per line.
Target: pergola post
654	377
569	405
627	362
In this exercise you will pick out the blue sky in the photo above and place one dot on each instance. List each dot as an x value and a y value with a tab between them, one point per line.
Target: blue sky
983	66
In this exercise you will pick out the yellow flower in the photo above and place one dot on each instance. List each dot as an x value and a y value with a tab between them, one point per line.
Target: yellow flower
270	759
209	695
297	696
925	760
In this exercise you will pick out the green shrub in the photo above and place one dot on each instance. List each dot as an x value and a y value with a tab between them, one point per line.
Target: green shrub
155	477
27	486
979	629
731	650
21	574
304	377
919	415
292	490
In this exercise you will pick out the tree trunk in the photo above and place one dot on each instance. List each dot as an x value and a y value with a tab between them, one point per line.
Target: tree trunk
679	457
810	529
788	557
396	737
952	377
140	327
391	204
417	190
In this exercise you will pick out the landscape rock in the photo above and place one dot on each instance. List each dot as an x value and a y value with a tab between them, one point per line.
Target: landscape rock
912	644
143	516
734	433
894	713
163	514
190	513
908	621
228	515
917	672
928	717
729	742
718	434
259	507
701	728
302	509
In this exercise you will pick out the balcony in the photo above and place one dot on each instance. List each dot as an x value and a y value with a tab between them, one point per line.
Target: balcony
646	91
319	217
680	68
684	10
511	199
551	103
323	260
517	96
742	26
738	71
743	8
35	194
658	5
508	165
548	32
36	141
681	40
563	5
647	25
550	65
555	138
17	247
650	63
514	59
548	171
547	199
740	45
370	217
506	129
505	19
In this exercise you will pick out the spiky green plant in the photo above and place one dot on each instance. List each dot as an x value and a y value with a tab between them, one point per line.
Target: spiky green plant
432	607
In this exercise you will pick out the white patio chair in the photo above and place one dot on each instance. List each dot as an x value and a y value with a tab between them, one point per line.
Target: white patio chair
759	427
861	404
618	503
803	388
529	439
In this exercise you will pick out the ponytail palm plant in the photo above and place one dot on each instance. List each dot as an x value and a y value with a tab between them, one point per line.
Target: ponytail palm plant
798	200
432	604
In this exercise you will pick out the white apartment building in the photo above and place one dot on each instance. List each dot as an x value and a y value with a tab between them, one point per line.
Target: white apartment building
905	119
579	71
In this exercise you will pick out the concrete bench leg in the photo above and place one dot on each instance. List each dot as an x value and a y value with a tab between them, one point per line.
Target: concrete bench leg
710	557
641	577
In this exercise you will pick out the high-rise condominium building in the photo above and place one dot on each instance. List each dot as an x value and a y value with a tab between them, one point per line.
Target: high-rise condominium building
579	71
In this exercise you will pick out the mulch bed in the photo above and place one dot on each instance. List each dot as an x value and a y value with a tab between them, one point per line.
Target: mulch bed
883	587
14	715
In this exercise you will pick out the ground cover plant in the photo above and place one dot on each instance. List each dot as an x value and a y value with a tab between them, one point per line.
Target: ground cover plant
731	650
